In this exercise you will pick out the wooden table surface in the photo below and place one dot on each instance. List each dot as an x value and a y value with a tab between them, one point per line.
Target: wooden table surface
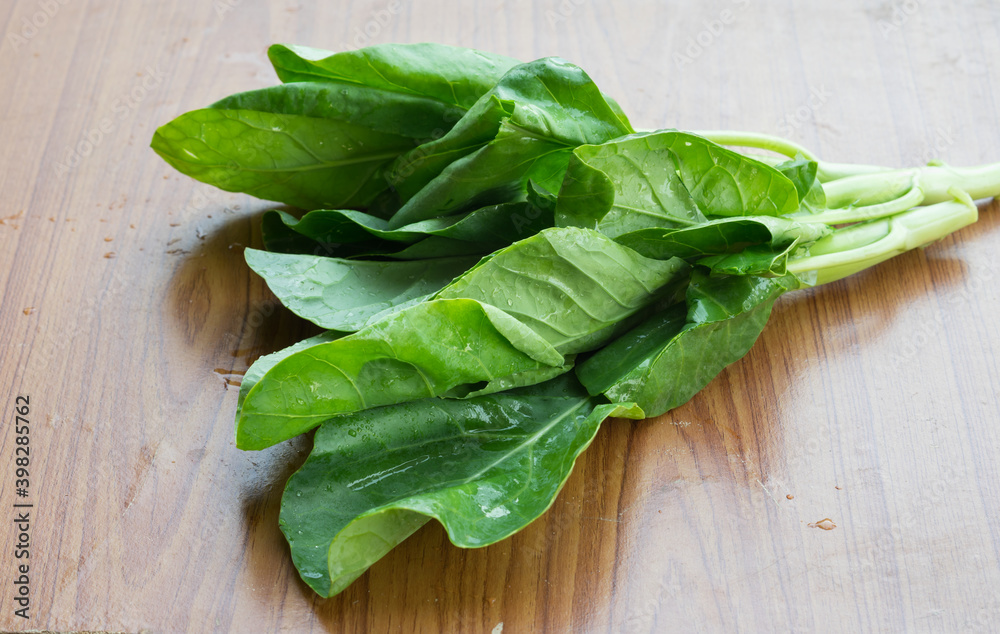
127	311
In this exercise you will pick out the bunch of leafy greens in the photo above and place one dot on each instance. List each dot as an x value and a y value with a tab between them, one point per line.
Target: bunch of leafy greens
501	262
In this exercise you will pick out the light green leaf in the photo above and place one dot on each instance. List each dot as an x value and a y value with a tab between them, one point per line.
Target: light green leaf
727	183
260	367
348	295
625	185
422	351
395	113
572	286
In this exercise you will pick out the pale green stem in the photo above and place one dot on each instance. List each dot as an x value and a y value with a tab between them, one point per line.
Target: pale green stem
857	247
843	215
933	180
825	171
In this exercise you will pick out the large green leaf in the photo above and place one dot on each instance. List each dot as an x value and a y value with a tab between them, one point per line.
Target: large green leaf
484	467
259	368
422	351
665	361
292	158
727	183
348	295
451	75
394	113
572	286
626	185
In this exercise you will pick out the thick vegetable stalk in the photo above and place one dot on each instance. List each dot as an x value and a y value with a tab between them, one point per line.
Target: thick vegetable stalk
502	262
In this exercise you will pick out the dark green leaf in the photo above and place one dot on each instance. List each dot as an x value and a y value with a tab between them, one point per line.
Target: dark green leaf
291	158
438	247
663	362
452	75
755	260
493	174
802	173
484	467
721	236
323	231
393	113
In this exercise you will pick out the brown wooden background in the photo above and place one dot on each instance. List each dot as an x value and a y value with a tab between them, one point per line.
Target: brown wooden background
872	402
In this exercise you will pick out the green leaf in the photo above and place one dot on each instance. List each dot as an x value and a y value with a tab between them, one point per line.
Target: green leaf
721	236
260	367
755	260
422	351
665	361
412	171
484	467
626	185
497	225
803	173
452	75
324	231
570	285
535	109
727	183
438	247
348	295
291	158
393	113
494	174
521	379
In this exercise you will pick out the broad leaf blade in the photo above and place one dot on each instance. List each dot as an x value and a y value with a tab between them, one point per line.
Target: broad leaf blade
626	185
393	113
484	467
452	75
422	351
570	285
755	260
260	367
294	159
727	183
803	173
326	231
348	295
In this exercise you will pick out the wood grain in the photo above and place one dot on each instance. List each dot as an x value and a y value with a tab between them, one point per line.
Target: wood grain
872	402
